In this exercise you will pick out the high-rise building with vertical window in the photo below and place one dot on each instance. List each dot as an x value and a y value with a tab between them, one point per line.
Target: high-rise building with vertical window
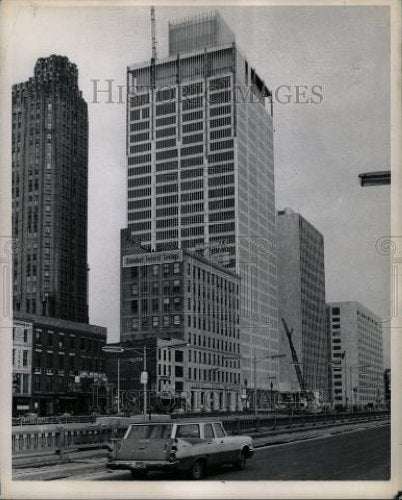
356	355
201	170
301	296
49	192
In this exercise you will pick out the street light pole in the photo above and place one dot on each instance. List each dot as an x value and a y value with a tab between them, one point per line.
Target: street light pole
146	381
118	385
272	395
255	383
351	388
357	367
344	374
255	361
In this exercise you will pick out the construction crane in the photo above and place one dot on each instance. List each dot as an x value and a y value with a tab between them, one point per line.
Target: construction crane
153	37
295	359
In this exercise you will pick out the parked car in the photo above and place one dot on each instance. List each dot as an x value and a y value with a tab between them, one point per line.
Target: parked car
30	418
180	446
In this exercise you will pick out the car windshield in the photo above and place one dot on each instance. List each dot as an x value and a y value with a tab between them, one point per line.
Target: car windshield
155	431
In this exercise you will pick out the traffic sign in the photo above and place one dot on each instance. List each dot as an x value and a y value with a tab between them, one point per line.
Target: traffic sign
144	378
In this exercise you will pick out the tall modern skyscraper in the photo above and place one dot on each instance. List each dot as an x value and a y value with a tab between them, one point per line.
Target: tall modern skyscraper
49	192
201	170
301	286
356	354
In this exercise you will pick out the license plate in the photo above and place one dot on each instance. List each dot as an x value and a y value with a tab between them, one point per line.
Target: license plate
139	465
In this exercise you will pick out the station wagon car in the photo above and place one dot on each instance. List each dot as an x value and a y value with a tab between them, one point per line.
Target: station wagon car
189	447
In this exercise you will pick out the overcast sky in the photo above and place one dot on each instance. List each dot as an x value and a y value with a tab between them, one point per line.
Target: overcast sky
319	148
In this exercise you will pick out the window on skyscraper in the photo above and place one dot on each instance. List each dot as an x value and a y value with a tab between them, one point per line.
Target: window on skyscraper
165	109
165	132
162	122
139	126
195	115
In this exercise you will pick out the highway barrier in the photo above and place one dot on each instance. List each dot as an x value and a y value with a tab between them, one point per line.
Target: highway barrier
60	439
241	425
34	420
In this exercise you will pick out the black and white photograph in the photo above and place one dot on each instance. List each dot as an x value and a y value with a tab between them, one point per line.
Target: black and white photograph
200	250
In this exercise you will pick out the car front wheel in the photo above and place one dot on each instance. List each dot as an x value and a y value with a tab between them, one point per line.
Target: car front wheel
197	470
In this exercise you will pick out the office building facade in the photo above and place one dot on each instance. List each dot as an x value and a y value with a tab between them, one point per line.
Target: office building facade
201	172
49	192
357	375
181	297
301	296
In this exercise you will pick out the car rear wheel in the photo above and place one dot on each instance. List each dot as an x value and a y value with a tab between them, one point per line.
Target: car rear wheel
241	462
197	470
139	474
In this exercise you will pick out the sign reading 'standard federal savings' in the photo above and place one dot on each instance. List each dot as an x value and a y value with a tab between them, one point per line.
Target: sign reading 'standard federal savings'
152	258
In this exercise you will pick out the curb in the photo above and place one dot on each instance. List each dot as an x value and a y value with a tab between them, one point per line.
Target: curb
70	456
65	473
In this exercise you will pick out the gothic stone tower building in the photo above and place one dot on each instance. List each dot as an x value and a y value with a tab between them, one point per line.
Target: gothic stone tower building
49	192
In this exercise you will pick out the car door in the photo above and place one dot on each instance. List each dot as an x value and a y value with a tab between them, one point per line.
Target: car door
227	452
189	436
212	446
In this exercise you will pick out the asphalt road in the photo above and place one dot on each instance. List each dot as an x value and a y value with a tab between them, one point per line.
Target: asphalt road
356	455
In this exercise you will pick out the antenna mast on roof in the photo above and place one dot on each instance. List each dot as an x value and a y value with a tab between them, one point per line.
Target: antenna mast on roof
153	36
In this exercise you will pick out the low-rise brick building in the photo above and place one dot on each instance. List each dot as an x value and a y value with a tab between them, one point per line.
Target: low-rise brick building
62	366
